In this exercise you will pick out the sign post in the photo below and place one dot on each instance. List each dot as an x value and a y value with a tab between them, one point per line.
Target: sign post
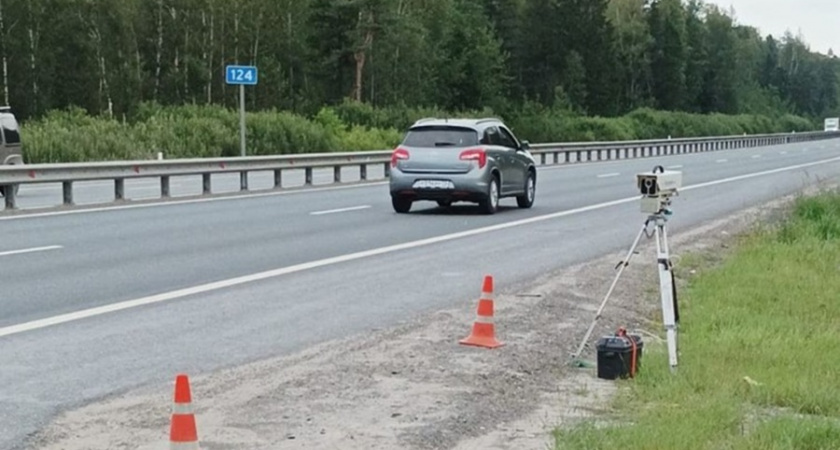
242	76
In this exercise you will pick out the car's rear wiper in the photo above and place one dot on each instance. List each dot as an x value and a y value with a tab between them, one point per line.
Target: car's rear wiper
444	144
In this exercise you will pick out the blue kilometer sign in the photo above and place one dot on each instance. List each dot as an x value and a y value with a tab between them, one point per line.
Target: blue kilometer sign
241	75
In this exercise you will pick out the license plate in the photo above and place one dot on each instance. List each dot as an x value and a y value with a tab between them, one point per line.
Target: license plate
433	184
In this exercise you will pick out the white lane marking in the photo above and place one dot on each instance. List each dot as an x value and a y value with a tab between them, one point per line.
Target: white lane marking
721	161
756	156
608	175
805	150
223	284
339	210
30	250
676	166
783	153
294	190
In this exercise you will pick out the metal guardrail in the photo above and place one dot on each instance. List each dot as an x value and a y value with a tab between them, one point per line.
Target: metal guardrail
546	154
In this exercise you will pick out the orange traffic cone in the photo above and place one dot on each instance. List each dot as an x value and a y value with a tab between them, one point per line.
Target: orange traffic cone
484	331
182	432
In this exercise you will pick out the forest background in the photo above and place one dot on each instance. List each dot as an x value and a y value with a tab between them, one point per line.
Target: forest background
116	79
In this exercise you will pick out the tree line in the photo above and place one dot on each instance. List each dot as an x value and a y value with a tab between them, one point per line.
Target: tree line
351	74
595	57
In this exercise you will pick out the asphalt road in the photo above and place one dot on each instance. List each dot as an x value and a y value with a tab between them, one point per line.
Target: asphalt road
221	282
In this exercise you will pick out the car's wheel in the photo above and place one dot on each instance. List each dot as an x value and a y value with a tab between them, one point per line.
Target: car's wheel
491	204
401	205
527	200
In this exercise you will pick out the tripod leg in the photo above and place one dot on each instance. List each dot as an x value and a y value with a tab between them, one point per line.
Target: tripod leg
667	289
621	265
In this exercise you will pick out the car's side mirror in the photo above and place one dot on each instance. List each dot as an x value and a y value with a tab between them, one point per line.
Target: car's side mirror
524	145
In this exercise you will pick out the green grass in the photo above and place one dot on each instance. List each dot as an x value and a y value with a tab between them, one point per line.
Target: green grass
770	314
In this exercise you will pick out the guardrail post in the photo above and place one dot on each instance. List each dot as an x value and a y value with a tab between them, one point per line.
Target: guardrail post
363	172
278	178
11	200
67	192
337	174
243	181
556	156
386	169
542	158
119	189
206	184
308	176
164	186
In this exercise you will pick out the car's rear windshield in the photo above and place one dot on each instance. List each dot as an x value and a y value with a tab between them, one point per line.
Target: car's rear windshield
440	136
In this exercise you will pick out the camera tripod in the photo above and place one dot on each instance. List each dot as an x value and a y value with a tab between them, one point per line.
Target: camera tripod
667	287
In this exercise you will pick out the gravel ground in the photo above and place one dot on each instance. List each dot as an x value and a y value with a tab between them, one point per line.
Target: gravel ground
413	386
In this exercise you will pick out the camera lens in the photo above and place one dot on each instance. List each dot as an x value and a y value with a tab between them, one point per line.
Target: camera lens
650	186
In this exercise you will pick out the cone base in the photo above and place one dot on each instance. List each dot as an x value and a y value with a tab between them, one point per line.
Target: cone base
486	342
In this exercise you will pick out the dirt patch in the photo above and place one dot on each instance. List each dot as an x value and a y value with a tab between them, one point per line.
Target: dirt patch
413	386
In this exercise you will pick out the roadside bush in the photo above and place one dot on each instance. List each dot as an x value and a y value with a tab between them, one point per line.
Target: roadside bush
188	131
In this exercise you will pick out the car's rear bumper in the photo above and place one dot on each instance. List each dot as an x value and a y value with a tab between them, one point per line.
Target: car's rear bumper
472	186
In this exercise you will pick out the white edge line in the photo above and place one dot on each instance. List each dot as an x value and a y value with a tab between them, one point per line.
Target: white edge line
339	210
172	295
30	250
608	175
677	166
721	160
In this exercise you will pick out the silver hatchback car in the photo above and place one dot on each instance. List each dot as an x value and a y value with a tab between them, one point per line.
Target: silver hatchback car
469	160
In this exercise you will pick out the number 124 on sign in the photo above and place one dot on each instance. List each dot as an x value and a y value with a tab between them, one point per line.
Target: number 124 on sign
241	75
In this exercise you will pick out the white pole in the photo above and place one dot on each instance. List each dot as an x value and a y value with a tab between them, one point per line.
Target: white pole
242	118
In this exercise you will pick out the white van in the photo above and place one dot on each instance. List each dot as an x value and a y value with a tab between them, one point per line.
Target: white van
10	147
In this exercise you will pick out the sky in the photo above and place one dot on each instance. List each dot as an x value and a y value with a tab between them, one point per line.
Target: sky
817	20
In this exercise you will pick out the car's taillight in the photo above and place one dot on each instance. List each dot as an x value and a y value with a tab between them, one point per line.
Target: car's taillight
475	154
398	154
